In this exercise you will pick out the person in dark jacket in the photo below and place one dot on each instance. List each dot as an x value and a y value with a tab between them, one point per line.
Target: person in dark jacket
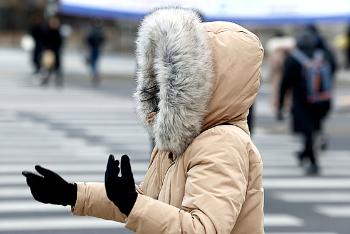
53	43
321	44
37	33
94	40
306	120
347	55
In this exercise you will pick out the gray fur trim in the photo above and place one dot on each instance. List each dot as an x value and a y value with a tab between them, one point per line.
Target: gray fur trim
173	57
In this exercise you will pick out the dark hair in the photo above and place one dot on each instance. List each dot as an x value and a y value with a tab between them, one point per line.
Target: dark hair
151	95
307	40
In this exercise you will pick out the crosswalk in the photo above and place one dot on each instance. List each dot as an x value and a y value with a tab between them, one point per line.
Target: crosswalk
316	202
72	132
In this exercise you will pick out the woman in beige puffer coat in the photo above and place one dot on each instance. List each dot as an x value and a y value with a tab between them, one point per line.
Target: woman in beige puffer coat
196	82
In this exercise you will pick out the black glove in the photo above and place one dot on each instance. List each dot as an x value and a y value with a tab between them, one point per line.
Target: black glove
48	187
120	190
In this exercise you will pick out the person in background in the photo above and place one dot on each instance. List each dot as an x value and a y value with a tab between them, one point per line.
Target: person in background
347	52
94	40
306	112
53	42
321	44
195	84
278	48
37	33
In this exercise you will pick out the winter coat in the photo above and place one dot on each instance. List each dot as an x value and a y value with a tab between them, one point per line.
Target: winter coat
205	174
306	118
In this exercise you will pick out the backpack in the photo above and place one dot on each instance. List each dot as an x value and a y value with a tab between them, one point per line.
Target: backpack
318	77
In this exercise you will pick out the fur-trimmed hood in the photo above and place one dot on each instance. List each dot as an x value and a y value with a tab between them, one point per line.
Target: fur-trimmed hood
192	76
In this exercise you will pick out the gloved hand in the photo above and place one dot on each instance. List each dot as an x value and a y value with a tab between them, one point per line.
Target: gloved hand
120	190
48	187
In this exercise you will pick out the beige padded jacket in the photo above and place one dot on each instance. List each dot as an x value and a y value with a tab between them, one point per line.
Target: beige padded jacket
205	174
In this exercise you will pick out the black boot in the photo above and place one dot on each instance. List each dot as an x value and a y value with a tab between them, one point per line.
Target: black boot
313	170
300	155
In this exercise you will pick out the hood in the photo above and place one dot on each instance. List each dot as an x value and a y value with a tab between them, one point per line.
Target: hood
307	42
192	76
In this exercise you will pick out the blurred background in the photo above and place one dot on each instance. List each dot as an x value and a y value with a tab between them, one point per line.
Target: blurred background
66	85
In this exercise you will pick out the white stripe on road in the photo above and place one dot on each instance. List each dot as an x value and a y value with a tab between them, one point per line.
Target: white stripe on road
20	180
87	151
115	133
21	192
57	160
62	223
301	233
306	183
274	155
291	171
66	168
280	220
34	148
62	106
66	223
120	130
321	196
117	113
338	211
111	131
55	138
30	206
289	163
97	121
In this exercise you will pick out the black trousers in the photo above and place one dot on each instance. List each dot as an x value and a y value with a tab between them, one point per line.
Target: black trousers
309	152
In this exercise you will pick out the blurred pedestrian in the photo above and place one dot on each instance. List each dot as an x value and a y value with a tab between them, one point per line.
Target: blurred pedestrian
321	44
205	174
37	33
53	42
348	48
307	72
94	40
278	48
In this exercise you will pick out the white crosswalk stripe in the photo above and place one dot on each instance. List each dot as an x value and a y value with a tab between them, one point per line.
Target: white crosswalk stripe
282	220
314	197
335	211
301	233
56	223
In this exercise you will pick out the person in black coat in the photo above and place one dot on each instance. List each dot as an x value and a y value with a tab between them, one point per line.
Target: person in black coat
53	42
347	55
37	33
94	40
305	120
321	44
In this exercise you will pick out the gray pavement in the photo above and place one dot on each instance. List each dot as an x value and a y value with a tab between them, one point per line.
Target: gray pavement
72	130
